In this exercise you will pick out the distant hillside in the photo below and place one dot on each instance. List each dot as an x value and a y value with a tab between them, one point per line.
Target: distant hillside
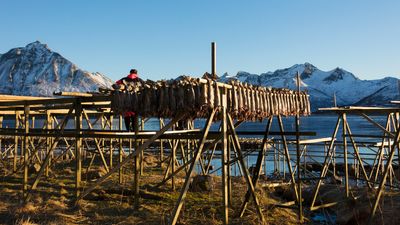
35	70
322	85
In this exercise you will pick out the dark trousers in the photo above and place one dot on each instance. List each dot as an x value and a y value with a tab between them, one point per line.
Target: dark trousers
130	123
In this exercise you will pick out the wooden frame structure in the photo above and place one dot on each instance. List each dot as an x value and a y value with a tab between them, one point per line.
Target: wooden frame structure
56	140
382	167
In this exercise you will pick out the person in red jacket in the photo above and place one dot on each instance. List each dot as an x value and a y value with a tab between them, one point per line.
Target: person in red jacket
129	116
132	76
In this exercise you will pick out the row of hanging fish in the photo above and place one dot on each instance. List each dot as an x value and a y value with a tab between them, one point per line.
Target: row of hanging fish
198	96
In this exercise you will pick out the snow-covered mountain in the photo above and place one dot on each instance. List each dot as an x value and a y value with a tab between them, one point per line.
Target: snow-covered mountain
37	71
322	85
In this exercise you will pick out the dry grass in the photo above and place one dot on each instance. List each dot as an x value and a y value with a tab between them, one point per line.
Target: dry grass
53	201
25	222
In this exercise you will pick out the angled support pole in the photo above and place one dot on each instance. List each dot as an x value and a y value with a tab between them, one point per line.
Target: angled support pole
96	141
244	169
353	142
197	155
287	156
257	171
385	174
329	155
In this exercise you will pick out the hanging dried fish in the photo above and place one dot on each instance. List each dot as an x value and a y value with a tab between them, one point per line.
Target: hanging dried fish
252	102
172	100
190	98
198	95
234	94
179	97
217	95
262	103
285	103
211	93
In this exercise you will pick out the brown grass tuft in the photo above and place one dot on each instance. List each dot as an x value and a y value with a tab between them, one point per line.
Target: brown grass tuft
25	222
27	208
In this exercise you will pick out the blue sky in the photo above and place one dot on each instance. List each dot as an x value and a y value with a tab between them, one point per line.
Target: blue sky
165	39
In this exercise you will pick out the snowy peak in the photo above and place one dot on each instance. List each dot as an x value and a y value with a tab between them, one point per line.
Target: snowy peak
307	71
339	74
37	47
36	70
322	85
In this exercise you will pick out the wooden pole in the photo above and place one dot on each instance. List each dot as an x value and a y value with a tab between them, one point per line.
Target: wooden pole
120	149
257	171
16	143
346	169
132	156
111	142
97	142
26	151
196	158
173	159
48	156
78	145
287	156
1	126
228	161
358	157
141	142
387	169
325	168
161	123
224	158
298	155
137	165
244	169
48	139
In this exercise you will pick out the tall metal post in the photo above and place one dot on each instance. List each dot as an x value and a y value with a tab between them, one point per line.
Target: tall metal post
213	59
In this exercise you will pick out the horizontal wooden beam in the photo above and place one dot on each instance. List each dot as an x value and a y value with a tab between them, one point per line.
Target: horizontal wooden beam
349	109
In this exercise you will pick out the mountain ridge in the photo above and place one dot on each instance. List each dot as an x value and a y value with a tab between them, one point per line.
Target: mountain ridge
35	70
322	85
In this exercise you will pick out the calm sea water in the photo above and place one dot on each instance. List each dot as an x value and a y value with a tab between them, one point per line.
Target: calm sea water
322	125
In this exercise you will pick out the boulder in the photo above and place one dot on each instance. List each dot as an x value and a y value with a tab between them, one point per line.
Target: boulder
202	183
